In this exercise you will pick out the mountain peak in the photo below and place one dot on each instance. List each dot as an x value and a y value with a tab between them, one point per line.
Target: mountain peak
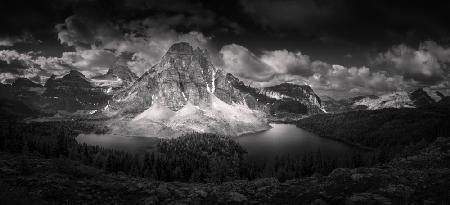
25	82
75	73
421	98
181	48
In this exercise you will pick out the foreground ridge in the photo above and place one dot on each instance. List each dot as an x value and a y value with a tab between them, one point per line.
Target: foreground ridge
403	180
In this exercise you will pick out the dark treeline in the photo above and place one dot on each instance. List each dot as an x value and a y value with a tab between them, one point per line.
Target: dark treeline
193	157
391	132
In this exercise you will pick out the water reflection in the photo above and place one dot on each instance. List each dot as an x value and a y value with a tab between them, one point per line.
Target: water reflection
281	139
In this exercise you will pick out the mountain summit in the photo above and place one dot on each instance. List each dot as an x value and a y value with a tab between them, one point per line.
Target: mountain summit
183	75
183	86
185	92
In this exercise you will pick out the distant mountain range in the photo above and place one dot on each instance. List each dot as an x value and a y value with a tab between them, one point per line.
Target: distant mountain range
400	99
183	92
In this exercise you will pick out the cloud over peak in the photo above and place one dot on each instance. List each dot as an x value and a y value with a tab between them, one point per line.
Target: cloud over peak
278	66
428	64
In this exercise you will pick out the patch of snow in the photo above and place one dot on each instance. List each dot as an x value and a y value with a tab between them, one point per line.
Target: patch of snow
156	113
273	94
219	117
184	96
213	79
398	99
92	112
115	82
128	97
109	90
213	117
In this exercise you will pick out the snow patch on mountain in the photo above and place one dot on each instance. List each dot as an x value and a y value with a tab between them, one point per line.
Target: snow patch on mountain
109	83
398	99
156	113
273	94
213	117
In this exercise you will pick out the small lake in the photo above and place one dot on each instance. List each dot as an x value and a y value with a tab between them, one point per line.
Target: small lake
281	139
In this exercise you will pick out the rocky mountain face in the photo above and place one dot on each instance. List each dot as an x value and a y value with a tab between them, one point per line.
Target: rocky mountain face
73	92
189	85
288	94
332	105
186	83
400	99
118	76
184	75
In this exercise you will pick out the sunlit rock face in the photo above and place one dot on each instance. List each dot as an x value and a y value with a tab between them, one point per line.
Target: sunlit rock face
302	94
191	94
183	93
399	99
183	75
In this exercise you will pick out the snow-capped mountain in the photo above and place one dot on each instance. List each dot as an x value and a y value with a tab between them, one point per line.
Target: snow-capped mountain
184	75
214	116
392	100
186	93
185	80
399	99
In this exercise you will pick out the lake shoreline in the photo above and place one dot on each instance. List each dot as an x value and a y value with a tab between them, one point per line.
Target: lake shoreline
354	145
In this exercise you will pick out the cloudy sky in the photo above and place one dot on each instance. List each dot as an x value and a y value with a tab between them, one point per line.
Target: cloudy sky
341	48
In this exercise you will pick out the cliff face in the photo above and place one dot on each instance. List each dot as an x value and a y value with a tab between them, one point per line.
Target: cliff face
302	94
186	75
183	75
186	83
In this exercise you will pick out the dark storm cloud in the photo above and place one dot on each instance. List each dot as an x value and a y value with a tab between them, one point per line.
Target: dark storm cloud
351	18
275	67
84	32
427	64
14	67
346	46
